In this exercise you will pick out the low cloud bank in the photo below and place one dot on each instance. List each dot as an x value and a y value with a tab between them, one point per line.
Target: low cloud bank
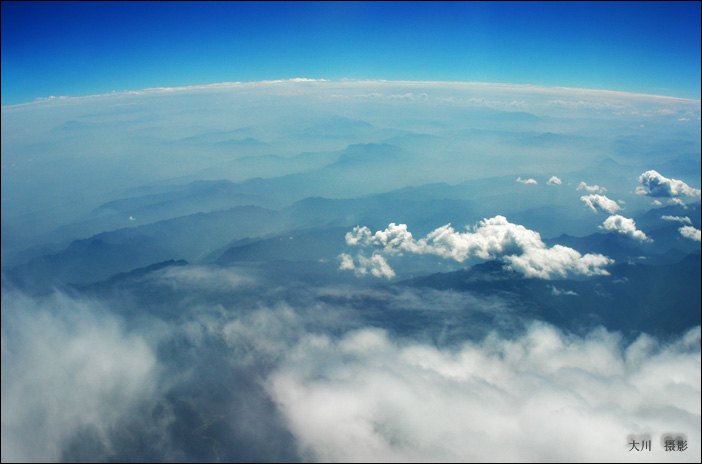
544	396
289	377
67	366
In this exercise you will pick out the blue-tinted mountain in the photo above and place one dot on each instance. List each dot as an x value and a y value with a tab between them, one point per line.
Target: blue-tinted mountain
189	237
661	299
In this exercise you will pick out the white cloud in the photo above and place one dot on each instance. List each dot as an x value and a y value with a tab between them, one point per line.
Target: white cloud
521	249
346	262
527	181
655	185
684	219
600	202
366	397
691	233
67	366
376	265
554	181
677	202
656	203
624	226
591	188
558	292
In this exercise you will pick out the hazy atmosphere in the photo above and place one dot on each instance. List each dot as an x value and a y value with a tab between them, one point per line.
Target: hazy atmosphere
366	253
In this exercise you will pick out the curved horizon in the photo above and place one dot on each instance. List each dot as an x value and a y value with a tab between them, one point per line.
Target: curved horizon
68	48
305	80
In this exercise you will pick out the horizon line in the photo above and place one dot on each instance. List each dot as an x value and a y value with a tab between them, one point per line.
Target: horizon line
304	80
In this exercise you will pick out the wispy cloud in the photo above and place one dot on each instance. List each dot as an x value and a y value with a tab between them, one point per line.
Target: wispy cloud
527	181
590	188
558	292
683	219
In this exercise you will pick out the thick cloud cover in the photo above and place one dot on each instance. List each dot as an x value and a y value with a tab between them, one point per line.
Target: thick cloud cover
521	249
624	226
544	396
68	366
655	185
691	232
296	374
600	202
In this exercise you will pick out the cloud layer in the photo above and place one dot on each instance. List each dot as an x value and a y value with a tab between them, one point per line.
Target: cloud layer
366	397
287	377
67	366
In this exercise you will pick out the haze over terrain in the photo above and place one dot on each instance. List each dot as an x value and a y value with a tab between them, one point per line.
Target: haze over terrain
328	270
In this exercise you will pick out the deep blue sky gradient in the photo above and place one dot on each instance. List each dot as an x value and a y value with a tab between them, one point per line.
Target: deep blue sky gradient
57	48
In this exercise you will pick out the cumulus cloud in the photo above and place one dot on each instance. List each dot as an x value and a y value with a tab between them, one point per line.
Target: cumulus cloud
683	219
624	226
591	188
654	184
521	249
554	181
376	265
527	181
656	203
691	232
367	397
600	202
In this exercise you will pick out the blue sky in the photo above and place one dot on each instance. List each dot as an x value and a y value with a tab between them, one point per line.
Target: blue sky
86	48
